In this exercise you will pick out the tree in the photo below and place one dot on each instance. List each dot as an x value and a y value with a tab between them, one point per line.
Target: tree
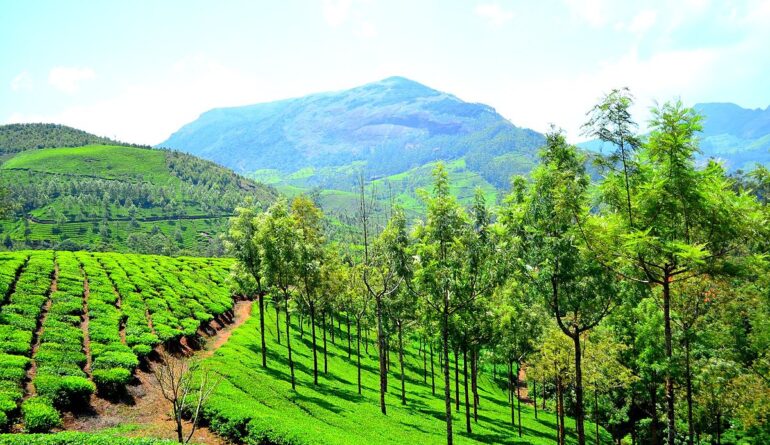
187	385
280	238
578	289
385	266
450	274
310	256
243	243
683	221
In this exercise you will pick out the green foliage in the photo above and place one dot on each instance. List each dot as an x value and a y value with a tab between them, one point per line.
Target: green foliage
77	438
20	137
39	415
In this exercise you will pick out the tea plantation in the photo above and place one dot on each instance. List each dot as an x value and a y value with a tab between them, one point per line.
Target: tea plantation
75	324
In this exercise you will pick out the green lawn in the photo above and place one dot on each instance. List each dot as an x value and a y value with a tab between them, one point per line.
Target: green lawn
255	403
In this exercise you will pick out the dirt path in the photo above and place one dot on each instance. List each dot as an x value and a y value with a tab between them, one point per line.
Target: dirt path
146	409
523	387
29	387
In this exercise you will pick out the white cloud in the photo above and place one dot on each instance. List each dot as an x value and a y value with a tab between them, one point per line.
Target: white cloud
22	82
68	79
493	13
591	11
643	21
366	29
336	12
147	113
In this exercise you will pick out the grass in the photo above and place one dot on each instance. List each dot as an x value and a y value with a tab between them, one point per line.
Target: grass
256	403
111	162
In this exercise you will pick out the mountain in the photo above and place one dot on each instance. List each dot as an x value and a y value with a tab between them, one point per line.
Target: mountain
117	197
737	136
382	128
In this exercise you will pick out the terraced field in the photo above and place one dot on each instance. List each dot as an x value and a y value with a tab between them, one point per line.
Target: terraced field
75	324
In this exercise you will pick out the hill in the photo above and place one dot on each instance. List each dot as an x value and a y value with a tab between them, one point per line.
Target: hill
131	199
379	129
19	137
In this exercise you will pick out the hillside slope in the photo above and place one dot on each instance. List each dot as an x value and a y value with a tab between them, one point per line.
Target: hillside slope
381	128
257	405
121	198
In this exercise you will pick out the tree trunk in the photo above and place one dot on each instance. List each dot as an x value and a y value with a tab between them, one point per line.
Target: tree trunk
323	320
288	343
261	298
315	352
719	428
425	364
596	415
366	341
654	417
467	400
579	414
544	396
688	377
445	352
278	323
457	381
331	328
518	395
510	392
534	393
347	321
560	409
401	363
671	433
358	352
178	420
432	374
381	352
474	384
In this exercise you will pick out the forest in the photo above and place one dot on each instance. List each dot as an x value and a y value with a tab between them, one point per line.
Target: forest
636	303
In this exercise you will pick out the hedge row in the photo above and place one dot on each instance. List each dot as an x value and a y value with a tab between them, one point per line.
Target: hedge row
139	336
60	380
10	264
18	321
77	438
113	362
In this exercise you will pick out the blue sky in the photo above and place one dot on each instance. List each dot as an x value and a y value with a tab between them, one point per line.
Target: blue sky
138	70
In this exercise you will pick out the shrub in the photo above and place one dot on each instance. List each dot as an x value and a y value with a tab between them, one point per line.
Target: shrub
116	359
39	415
111	382
65	392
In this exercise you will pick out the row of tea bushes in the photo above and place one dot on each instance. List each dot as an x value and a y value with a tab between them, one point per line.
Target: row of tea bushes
18	321
113	362
139	335
60	379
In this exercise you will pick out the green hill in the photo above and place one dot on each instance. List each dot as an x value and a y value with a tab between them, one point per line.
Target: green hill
19	137
108	197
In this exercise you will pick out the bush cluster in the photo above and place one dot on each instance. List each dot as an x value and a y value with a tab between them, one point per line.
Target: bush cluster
113	362
60	380
18	321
